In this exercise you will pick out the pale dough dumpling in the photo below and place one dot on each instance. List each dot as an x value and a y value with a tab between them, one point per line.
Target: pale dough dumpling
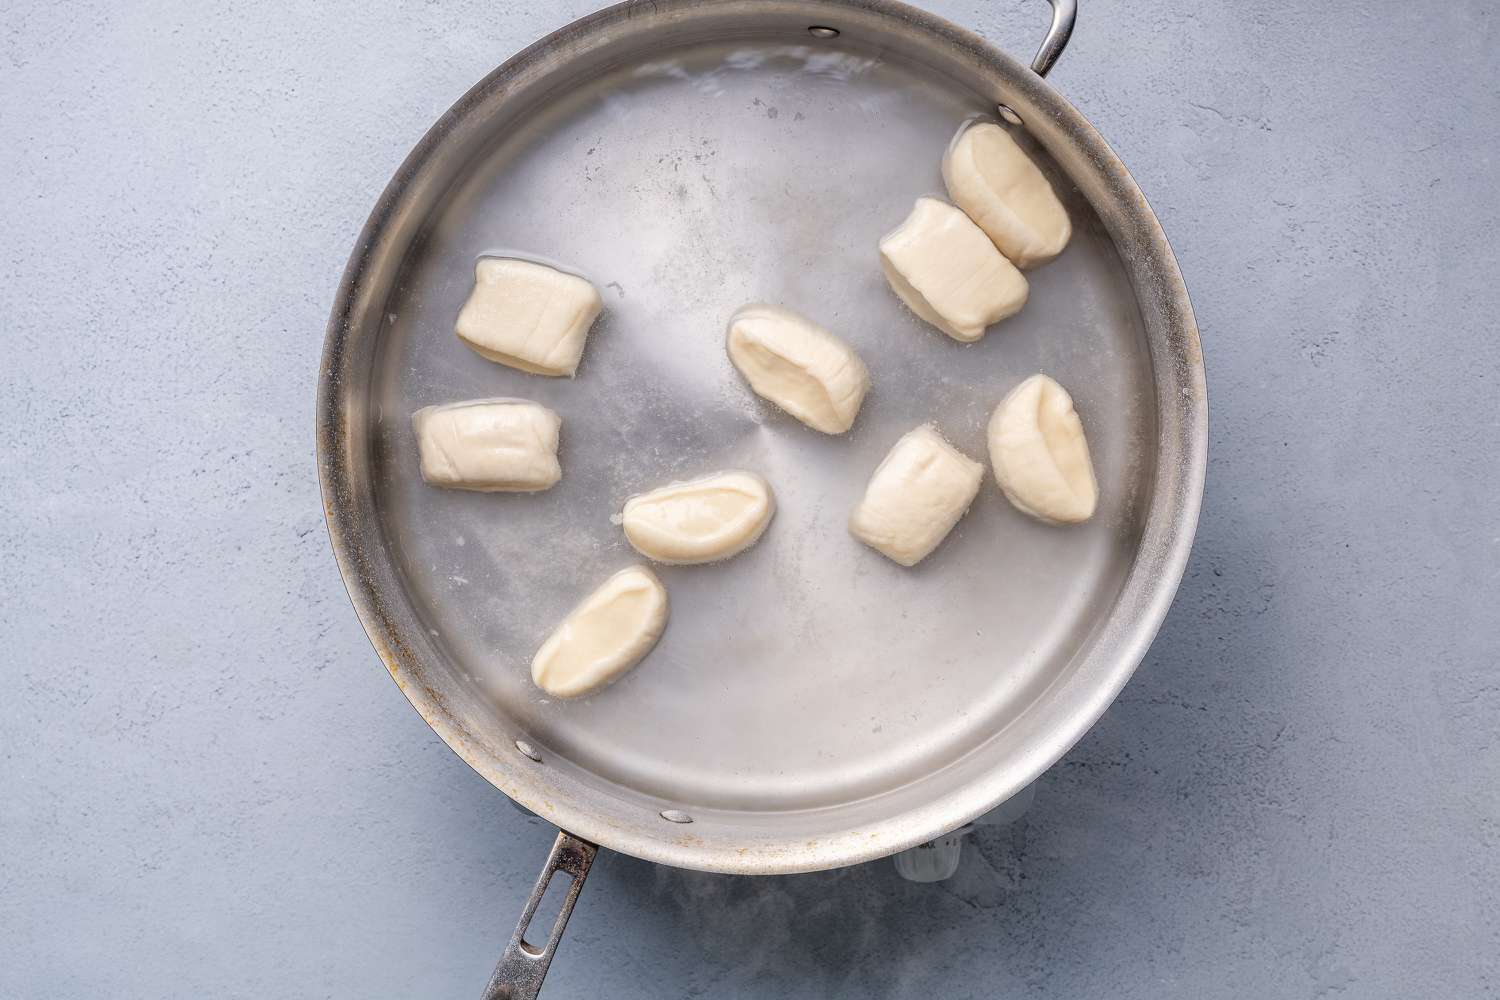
1040	455
916	496
702	520
604	636
992	179
491	445
528	316
799	366
949	273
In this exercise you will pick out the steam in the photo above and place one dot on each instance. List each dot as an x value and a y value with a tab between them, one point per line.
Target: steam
857	932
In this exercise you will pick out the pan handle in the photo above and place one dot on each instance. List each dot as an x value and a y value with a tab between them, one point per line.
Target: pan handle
1064	13
522	968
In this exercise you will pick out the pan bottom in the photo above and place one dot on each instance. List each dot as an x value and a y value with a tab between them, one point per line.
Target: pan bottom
809	671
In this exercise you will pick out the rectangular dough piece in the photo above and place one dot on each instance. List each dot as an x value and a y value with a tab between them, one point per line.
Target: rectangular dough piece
916	496
949	273
528	316
992	179
490	445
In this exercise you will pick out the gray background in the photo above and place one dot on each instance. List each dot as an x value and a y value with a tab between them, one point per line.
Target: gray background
208	787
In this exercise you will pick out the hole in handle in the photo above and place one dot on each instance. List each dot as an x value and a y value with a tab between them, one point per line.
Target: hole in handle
548	910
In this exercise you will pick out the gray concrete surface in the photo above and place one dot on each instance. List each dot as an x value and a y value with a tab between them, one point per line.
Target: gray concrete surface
208	787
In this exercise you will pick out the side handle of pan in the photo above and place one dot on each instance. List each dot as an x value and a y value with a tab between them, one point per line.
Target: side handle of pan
1064	14
522	968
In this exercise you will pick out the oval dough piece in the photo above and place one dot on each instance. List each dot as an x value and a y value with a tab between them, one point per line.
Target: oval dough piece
528	315
992	179
1040	455
949	273
604	636
916	496
490	445
703	520
799	366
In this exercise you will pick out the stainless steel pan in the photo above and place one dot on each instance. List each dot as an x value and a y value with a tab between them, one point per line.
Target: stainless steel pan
812	705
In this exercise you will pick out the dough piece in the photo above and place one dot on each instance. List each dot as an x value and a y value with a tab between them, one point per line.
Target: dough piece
1040	455
992	179
528	316
916	496
949	273
491	445
799	366
702	520
604	636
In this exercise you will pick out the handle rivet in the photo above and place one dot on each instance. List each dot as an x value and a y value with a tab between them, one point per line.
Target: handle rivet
823	31
1008	114
527	750
675	816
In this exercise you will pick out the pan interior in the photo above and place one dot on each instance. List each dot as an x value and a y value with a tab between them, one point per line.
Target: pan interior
809	672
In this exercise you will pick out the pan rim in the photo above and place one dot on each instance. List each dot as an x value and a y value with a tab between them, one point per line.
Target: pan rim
1146	593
